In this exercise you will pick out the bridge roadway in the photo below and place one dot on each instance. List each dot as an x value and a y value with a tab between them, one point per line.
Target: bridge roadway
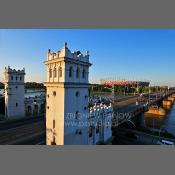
141	138
29	131
124	110
126	105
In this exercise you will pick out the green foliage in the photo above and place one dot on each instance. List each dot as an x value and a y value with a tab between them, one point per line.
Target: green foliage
143	90
1	85
100	88
34	85
29	85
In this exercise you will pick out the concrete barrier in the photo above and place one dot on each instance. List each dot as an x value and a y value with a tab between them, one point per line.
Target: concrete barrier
156	111
167	103
171	99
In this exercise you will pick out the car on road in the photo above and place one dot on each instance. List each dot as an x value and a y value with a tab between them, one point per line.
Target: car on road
165	142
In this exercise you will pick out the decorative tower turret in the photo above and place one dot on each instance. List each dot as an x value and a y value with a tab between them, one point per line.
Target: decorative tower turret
67	97
14	93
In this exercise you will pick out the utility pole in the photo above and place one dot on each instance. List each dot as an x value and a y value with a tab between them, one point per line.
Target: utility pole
149	93
113	93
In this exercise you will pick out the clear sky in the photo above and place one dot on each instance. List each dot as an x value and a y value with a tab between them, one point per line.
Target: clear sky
125	54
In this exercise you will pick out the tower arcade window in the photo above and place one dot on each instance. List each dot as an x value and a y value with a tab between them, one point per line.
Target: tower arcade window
83	73
60	72
108	124
50	73
90	131
11	77
55	73
16	104
16	78
98	127
77	94
70	71
20	78
54	93
77	72
77	115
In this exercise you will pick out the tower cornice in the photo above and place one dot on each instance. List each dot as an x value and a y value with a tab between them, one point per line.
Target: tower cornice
66	85
67	60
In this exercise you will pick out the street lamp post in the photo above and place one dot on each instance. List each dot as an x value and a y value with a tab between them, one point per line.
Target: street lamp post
149	93
161	128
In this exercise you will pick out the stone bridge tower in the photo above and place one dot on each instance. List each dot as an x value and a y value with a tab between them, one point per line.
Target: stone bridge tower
67	97
14	93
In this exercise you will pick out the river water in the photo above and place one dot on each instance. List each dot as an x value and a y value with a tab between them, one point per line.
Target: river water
28	93
162	122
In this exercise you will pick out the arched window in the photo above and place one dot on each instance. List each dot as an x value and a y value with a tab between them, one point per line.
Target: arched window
70	72
50	73
77	72
77	94
77	115
29	111
90	131
35	110
53	123
54	93
98	127
55	72
60	72
108	124
83	73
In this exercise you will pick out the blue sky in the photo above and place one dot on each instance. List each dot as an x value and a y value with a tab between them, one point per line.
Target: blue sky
124	54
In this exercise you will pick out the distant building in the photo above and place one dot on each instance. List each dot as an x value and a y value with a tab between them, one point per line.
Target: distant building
110	82
14	93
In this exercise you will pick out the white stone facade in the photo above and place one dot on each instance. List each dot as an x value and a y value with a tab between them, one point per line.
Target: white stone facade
35	106
69	120
14	93
67	97
100	121
16	105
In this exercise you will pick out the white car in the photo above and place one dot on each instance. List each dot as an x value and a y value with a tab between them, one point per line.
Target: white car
165	142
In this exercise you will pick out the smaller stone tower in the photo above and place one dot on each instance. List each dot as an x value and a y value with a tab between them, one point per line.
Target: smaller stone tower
14	93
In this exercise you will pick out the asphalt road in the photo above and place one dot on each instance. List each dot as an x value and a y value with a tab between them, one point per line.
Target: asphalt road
40	139
27	131
4	125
